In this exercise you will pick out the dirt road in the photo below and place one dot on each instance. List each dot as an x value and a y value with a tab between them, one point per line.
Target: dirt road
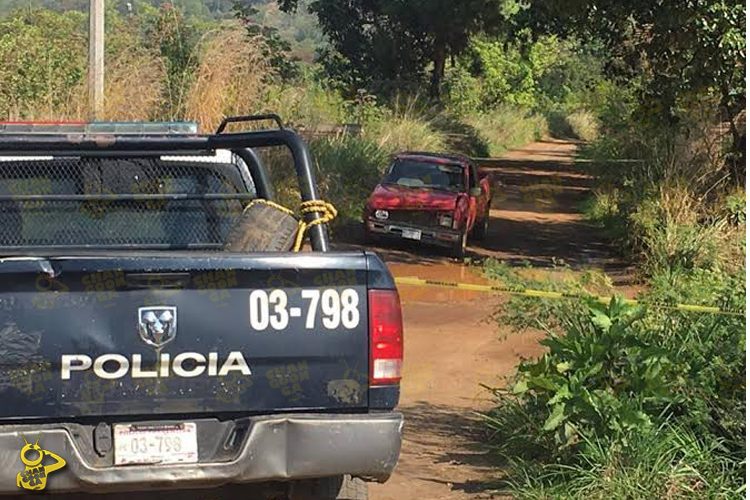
451	347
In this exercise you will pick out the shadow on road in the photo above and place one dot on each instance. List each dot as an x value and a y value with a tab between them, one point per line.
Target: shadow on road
451	437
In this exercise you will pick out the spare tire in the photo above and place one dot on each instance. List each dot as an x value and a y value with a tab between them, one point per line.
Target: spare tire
262	228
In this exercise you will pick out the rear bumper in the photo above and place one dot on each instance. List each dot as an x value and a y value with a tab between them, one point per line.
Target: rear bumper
274	448
431	235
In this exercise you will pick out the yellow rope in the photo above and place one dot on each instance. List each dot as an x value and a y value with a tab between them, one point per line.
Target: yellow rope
325	211
271	204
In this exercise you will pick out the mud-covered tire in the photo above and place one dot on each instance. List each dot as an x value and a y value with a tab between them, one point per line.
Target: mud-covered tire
330	488
262	228
481	228
459	248
368	237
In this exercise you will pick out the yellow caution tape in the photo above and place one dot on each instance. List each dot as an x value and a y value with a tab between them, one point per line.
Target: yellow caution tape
544	294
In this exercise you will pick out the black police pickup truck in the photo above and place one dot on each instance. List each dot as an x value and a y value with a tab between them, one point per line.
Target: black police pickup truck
157	332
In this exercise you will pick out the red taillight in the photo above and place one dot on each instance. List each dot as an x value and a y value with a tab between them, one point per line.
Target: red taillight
386	337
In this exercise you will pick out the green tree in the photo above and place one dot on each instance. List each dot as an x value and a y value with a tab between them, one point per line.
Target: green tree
275	48
677	48
396	40
176	40
44	62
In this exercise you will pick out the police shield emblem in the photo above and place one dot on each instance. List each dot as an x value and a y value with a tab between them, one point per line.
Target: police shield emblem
157	325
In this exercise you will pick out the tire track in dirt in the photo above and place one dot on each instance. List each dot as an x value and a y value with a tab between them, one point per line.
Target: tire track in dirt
450	345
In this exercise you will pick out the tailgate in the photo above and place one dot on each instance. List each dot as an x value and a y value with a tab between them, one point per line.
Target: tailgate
127	335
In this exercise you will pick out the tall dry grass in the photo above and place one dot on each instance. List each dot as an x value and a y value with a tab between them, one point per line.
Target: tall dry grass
507	127
407	126
134	86
133	92
231	78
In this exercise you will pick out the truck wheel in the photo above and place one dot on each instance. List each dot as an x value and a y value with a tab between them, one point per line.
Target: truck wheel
262	228
482	227
353	489
459	248
367	235
329	488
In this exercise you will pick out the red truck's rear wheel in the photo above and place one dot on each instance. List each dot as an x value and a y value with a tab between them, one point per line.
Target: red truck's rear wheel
482	227
459	247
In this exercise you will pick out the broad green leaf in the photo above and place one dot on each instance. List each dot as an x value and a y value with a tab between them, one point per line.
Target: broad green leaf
632	419
594	370
540	382
601	320
563	367
562	394
520	387
556	417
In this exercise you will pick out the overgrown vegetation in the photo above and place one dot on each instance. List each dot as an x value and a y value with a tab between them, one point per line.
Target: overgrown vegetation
643	401
629	401
242	57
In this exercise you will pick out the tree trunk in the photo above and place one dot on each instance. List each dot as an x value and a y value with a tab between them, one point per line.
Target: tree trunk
735	160
438	73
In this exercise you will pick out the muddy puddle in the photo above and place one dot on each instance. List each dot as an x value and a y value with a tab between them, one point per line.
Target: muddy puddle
447	271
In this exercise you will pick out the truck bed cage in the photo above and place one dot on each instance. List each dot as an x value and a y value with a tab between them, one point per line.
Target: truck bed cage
249	118
144	146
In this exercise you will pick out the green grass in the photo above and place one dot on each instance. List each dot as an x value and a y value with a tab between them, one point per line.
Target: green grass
665	462
348	168
507	127
584	125
399	133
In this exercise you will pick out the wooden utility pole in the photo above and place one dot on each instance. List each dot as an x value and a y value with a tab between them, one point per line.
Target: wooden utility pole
96	58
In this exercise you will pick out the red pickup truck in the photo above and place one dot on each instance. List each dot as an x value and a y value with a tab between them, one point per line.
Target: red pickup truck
438	199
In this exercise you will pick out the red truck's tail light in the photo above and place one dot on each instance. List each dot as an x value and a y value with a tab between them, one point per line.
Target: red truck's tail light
386	337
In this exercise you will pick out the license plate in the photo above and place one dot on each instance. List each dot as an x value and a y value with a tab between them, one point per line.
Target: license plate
156	444
411	234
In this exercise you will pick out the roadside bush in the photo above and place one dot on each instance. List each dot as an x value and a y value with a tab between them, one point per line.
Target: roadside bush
347	169
664	192
406	126
581	124
508	127
229	80
664	462
559	127
735	207
666	231
135	73
603	207
463	91
461	137
624	392
398	133
629	401
44	65
584	125
308	105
